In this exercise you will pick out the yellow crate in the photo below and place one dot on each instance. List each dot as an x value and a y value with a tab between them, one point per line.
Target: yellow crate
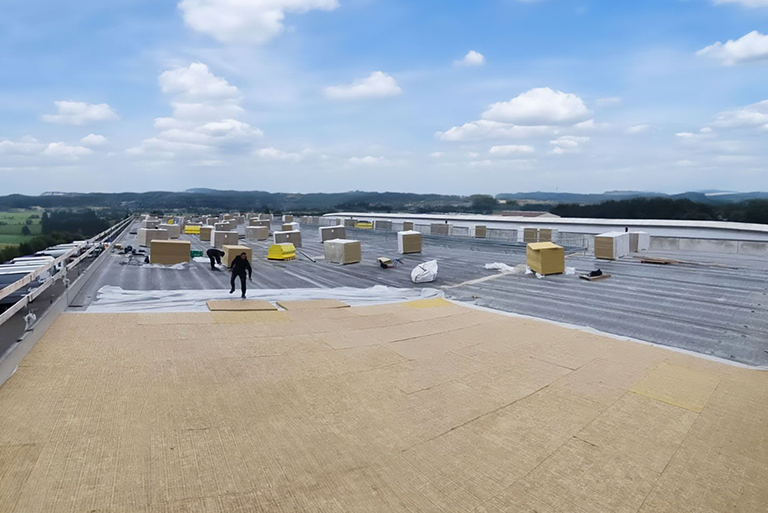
364	226
192	230
284	251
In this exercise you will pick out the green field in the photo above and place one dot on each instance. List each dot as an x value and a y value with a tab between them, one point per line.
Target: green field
11	223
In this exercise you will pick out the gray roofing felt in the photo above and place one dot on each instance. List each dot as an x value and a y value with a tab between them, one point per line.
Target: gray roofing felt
711	304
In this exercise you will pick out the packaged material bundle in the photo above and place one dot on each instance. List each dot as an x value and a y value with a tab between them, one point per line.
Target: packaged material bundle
150	223
289	227
205	233
547	234
285	251
382	225
287	218
259	222
639	241
332	232
440	229
530	235
147	235
220	238
292	237
408	242
343	251
231	251
174	230
424	273
611	245
407	226
169	252
256	232
480	231
545	258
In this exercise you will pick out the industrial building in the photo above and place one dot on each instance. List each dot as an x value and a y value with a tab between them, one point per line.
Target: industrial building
342	385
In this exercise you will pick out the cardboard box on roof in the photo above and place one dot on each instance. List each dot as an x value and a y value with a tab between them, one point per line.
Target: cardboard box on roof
231	251
343	251
480	231
287	218
211	220
288	227
256	232
174	230
545	257
265	217
332	232
150	223
440	229
407	226
169	252
293	237
205	233
349	223
639	241
382	225
547	234
260	222
611	245
220	238
147	235
408	242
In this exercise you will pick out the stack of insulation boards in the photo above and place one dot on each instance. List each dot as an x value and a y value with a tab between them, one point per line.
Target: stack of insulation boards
256	232
169	252
192	229
147	235
231	251
343	251
332	232
289	227
174	230
258	222
530	235
639	241
408	242
287	218
547	234
222	226
211	220
292	237
611	245
545	258
480	231
382	225
150	223
265	217
440	229
285	251
205	233
407	226
220	238
349	223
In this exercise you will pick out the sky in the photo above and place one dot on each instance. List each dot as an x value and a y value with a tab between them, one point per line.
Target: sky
439	96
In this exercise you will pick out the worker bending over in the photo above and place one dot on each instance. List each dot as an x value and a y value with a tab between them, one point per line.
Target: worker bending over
239	267
215	256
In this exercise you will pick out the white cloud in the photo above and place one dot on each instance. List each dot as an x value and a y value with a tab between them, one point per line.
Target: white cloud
472	59
196	81
248	21
745	3
511	149
367	161
275	154
568	144
437	154
377	85
639	129
93	140
79	113
205	112
608	102
751	47
63	150
26	146
540	106
484	129
751	116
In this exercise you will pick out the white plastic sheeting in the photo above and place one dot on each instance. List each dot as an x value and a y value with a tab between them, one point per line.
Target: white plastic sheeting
111	299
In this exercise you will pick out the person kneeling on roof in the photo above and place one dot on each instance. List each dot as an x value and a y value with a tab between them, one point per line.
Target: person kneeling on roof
215	256
239	267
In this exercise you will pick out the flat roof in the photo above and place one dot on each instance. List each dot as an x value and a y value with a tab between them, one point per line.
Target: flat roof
418	406
714	304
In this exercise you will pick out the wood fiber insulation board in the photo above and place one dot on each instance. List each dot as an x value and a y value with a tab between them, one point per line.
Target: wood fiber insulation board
316	304
241	305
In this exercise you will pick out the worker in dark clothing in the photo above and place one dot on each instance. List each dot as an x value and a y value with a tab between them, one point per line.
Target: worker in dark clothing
215	256
240	266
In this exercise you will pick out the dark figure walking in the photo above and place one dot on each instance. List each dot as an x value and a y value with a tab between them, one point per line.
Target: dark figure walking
215	256
240	266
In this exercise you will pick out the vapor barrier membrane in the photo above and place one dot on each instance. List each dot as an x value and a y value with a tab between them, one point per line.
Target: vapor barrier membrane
111	299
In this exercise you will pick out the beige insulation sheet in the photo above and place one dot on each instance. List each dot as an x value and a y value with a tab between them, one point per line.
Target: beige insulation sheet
241	305
419	407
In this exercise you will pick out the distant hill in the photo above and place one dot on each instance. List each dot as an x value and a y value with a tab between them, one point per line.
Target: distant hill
711	197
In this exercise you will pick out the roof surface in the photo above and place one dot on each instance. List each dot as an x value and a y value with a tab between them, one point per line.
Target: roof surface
422	407
711	304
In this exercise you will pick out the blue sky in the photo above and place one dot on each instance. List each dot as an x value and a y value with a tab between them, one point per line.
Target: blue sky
482	96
